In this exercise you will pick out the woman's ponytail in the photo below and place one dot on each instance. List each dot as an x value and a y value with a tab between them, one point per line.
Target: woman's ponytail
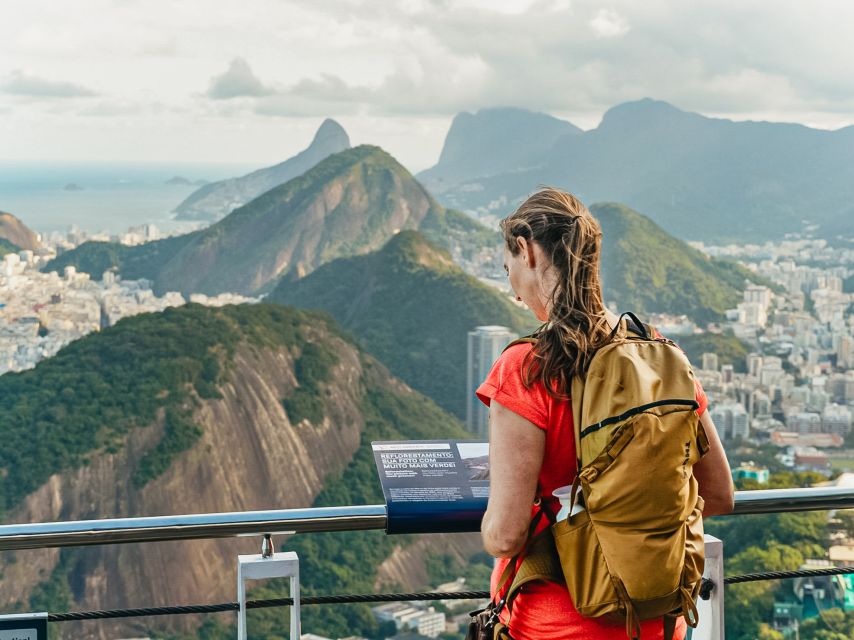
577	326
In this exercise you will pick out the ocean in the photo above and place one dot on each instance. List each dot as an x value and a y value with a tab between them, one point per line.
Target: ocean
109	197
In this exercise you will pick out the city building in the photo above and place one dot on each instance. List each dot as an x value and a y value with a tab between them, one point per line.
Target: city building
811	459
731	420
818	440
804	422
412	616
836	419
710	362
811	596
485	344
754	364
752	472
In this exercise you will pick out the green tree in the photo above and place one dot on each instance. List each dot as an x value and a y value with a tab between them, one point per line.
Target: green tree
833	624
748	604
767	633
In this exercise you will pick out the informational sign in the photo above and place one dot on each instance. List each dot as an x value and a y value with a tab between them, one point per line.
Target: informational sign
433	486
23	626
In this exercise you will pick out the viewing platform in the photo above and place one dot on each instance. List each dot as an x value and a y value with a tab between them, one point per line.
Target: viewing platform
360	518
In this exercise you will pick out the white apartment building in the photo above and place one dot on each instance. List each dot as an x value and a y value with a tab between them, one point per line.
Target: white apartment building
485	344
772	372
709	362
836	419
731	419
426	622
804	422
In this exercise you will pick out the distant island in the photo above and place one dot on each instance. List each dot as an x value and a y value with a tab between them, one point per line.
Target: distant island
181	181
73	186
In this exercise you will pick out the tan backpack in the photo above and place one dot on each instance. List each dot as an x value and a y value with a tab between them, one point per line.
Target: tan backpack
636	550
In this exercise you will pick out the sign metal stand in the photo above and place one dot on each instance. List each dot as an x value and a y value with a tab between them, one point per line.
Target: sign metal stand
259	567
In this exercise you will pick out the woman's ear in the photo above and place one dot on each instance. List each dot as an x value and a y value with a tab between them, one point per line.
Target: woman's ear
526	248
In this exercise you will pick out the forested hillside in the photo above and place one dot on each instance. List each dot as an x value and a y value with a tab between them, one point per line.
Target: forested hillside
349	204
412	307
646	269
242	407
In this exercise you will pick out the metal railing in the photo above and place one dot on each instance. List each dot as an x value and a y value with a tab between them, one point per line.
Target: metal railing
327	519
249	523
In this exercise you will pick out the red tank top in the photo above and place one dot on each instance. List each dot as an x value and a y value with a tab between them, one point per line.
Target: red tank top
544	610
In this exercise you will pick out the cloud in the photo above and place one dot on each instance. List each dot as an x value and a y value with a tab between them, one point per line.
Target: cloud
328	94
416	60
607	23
20	83
237	81
398	94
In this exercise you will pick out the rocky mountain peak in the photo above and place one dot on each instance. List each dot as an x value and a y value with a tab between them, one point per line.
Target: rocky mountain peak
330	132
492	141
644	112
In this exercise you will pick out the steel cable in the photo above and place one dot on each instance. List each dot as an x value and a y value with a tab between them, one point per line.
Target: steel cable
705	592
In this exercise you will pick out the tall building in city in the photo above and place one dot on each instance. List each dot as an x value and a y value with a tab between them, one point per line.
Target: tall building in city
771	373
758	294
845	352
753	314
485	344
710	362
731	420
836	419
804	422
760	404
754	364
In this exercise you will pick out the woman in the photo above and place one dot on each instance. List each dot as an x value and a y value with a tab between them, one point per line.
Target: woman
551	255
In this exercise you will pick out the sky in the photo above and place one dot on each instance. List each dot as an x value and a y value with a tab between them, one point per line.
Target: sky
250	81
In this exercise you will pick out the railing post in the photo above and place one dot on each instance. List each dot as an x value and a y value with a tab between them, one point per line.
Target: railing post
711	611
268	565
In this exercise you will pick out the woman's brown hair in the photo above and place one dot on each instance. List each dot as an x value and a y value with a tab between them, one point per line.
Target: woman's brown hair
577	327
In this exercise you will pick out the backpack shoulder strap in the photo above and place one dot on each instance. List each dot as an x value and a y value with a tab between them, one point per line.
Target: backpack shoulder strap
539	559
540	563
634	325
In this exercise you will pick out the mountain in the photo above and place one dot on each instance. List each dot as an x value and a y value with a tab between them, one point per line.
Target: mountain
199	410
646	269
702	178
350	203
410	306
17	233
216	199
494	141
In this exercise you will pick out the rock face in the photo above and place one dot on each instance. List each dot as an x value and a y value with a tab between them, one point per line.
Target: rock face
249	457
198	410
16	232
217	199
406	567
494	141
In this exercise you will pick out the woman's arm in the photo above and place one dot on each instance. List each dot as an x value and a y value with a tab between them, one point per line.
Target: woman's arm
516	449
713	473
